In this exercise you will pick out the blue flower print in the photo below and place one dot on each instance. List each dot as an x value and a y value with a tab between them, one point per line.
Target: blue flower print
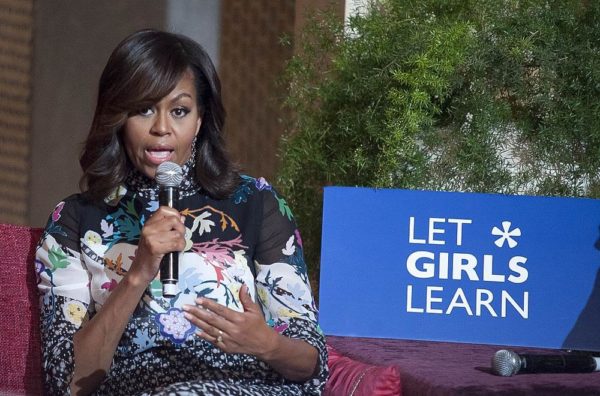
243	191
143	339
189	279
262	184
174	325
152	206
125	223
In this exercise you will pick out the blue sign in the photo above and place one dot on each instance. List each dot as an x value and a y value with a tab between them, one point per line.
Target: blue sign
463	267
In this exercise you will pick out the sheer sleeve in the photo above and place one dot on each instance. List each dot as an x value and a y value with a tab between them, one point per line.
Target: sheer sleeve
282	282
64	295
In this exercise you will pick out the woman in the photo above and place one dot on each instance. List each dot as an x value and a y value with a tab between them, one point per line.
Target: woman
243	320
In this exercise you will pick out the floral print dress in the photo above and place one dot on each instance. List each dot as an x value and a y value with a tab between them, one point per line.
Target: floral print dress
251	239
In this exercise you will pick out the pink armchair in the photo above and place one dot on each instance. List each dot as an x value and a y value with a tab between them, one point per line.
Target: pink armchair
20	353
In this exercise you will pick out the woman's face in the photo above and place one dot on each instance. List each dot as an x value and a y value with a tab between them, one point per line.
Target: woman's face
165	131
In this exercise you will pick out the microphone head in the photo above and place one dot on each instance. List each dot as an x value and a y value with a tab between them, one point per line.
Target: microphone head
169	174
506	363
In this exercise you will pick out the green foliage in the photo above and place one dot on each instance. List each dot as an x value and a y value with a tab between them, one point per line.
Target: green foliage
464	95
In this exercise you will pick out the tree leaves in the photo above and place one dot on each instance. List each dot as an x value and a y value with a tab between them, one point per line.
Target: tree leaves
487	95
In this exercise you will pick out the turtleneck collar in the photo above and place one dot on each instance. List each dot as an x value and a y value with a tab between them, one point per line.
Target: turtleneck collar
147	188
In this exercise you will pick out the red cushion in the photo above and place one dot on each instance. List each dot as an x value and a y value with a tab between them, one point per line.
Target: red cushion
20	353
351	377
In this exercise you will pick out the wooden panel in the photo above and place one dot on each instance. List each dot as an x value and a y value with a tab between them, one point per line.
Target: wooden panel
252	60
16	21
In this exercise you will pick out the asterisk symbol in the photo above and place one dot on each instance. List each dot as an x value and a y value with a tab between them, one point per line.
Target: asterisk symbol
506	235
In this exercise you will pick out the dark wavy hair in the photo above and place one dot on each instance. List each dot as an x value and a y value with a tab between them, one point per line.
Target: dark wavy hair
141	70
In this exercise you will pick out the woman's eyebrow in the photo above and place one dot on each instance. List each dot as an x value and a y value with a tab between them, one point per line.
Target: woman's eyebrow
181	95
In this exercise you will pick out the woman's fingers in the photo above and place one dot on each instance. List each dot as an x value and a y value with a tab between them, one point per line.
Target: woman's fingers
165	216
229	330
205	319
213	327
162	233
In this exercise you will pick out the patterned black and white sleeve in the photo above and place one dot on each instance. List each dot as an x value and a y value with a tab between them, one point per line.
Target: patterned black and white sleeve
63	284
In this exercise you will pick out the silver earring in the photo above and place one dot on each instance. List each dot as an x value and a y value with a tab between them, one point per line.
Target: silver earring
193	155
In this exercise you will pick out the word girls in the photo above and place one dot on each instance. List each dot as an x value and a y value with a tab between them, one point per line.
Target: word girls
459	266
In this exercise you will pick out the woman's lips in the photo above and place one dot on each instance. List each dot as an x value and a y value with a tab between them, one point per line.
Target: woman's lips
158	156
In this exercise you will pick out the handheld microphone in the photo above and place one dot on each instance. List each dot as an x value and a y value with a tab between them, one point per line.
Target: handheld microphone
507	363
168	177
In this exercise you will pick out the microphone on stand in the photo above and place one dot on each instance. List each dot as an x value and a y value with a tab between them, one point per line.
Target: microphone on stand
168	177
507	363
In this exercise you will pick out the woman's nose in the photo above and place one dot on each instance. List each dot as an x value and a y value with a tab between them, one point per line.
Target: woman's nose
161	124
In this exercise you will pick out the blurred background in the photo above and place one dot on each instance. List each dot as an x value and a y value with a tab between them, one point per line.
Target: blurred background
52	54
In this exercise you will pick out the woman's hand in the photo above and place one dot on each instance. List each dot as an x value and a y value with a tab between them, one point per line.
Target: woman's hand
247	332
232	331
163	232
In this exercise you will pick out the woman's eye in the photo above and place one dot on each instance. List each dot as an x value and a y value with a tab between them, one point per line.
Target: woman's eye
180	112
146	111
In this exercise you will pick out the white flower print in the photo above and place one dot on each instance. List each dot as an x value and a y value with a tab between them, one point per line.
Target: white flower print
239	264
93	240
106	228
289	249
174	324
74	312
204	224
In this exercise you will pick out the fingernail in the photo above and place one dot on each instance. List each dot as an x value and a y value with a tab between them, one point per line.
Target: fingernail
187	315
247	289
182	218
186	307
